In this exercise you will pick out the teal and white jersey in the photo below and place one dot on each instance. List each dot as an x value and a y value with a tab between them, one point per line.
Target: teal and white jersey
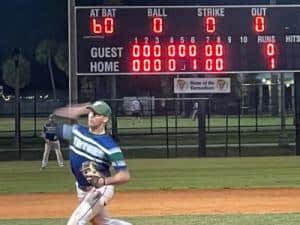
86	146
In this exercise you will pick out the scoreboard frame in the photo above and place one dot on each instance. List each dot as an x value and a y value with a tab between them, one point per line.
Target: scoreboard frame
78	58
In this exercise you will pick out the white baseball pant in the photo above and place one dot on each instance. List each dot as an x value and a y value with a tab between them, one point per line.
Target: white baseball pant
92	204
56	146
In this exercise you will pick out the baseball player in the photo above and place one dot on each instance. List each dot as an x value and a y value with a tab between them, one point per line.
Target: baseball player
195	110
51	142
136	108
93	144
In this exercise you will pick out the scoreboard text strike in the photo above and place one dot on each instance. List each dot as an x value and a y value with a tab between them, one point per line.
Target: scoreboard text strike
187	40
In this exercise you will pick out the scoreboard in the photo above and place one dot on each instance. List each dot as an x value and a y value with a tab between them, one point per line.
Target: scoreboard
145	40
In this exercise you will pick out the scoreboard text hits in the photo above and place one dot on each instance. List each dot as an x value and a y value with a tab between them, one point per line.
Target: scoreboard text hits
187	40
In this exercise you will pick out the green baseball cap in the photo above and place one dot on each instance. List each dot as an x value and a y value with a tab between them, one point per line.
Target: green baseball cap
101	108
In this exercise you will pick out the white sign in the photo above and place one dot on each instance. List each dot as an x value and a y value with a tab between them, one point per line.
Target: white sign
202	85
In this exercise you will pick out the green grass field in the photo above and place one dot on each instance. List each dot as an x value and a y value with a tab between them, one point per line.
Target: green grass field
266	219
164	174
155	174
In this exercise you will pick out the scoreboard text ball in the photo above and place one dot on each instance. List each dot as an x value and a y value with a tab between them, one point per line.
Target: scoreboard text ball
187	39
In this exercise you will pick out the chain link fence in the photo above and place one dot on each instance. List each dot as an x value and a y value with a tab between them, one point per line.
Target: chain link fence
166	127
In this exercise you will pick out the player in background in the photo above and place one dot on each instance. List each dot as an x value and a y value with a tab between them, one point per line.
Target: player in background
136	108
195	111
92	143
51	142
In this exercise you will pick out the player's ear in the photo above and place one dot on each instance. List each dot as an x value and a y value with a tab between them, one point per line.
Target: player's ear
106	119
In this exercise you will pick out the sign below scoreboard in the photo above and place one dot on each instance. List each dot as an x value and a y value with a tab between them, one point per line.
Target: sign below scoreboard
187	39
202	85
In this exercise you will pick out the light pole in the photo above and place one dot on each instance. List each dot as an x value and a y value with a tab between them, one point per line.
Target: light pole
16	57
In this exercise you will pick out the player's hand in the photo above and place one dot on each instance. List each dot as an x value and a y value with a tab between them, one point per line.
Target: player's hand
96	181
91	174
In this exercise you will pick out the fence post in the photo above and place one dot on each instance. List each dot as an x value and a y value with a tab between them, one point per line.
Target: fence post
34	113
176	126
297	111
256	108
167	129
151	115
239	126
208	114
114	120
201	128
226	134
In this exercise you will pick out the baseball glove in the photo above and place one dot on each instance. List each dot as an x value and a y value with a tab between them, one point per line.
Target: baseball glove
89	171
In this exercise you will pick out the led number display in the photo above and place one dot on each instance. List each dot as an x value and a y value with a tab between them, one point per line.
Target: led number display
172	40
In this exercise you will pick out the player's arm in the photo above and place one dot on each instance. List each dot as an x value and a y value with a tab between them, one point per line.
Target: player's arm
43	133
120	177
121	174
64	131
72	112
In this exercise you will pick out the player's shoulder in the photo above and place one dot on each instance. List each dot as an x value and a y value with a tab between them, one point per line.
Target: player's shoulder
81	128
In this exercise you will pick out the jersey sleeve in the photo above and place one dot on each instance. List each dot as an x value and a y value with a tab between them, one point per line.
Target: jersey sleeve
64	131
117	159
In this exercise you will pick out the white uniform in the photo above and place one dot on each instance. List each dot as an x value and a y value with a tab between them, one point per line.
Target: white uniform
51	142
136	108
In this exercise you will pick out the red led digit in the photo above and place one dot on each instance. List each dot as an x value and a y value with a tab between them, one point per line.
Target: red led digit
181	50
136	65
136	51
219	50
259	24
147	65
157	50
270	49
146	50
192	50
157	25
271	54
96	27
194	64
171	51
272	63
108	25
100	27
157	65
219	64
214	52
210	24
208	50
171	64
208	64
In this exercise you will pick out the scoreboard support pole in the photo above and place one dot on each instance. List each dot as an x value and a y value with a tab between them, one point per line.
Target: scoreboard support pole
73	85
297	110
114	107
201	127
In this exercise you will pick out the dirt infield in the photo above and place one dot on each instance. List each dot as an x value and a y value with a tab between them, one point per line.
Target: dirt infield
146	203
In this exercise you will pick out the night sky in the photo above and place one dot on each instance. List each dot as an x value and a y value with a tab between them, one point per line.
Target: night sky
25	23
